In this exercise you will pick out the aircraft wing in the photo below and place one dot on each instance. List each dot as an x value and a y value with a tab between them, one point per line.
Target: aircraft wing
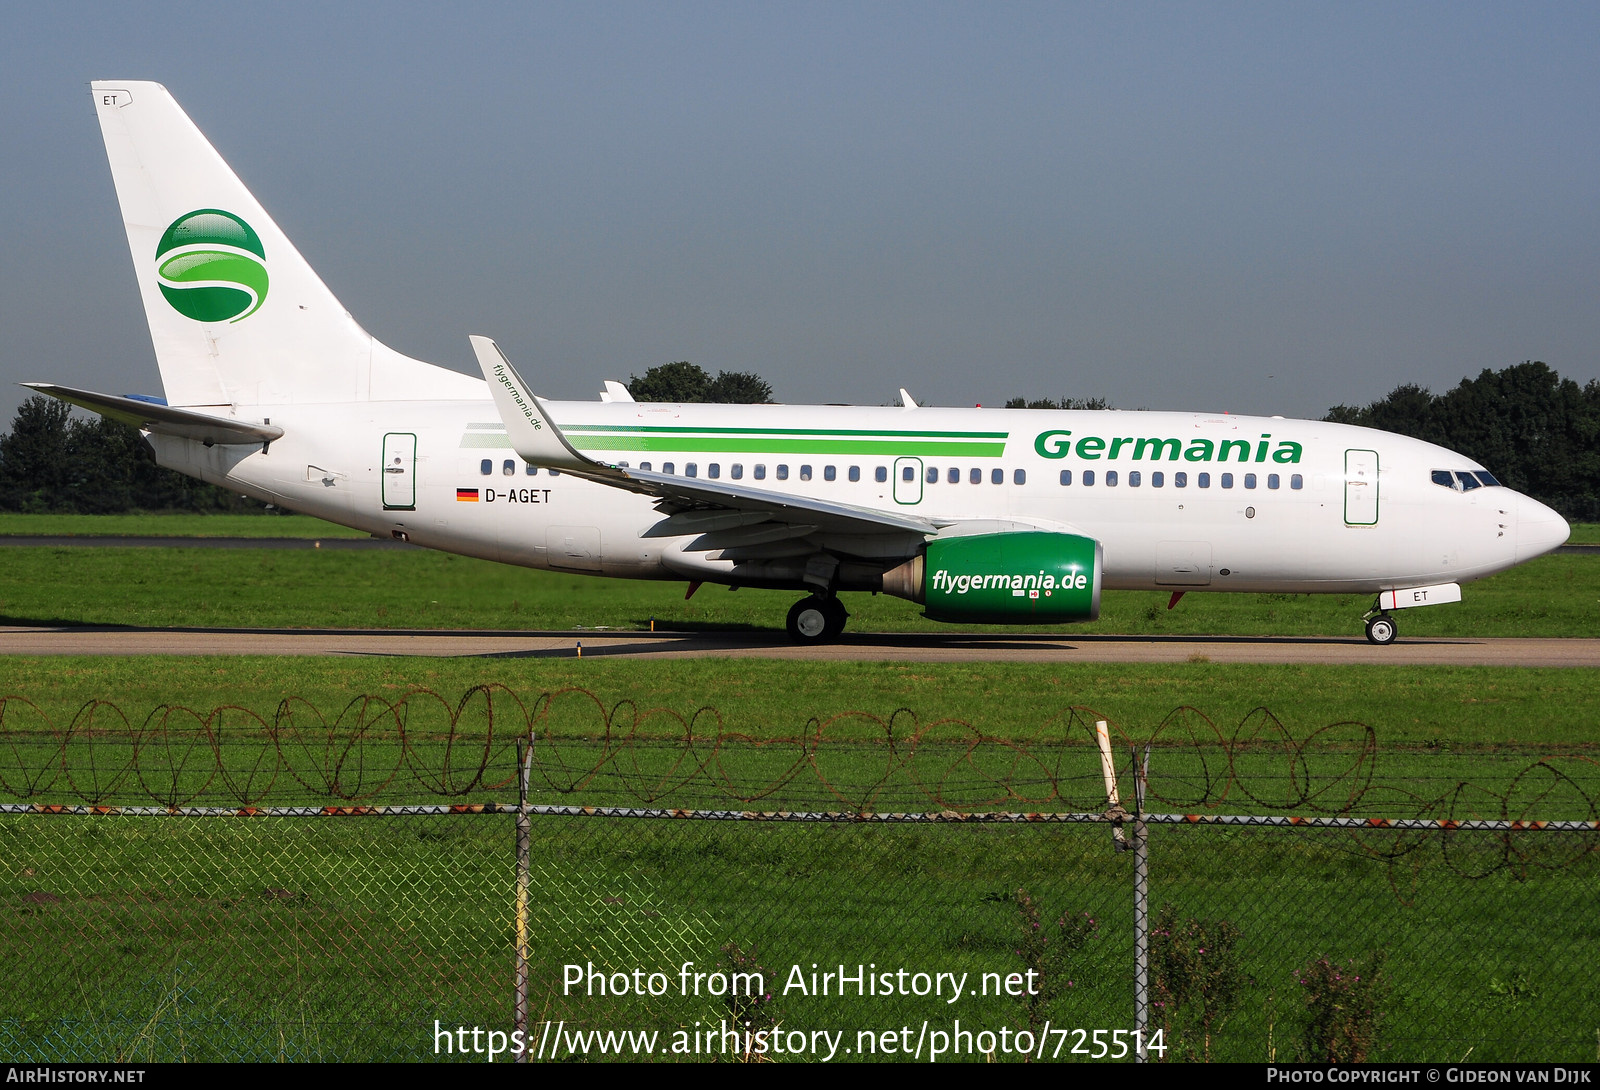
164	419
687	493
537	438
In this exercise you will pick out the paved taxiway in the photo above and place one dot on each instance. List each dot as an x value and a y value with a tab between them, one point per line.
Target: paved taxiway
885	647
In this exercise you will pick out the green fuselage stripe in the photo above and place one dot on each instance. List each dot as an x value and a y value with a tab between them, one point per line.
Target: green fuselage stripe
883	448
651	429
780	441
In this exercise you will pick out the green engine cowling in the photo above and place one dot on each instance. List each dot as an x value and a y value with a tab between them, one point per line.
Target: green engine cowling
1030	577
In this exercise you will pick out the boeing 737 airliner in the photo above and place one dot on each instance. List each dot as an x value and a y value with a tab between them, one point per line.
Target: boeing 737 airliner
981	515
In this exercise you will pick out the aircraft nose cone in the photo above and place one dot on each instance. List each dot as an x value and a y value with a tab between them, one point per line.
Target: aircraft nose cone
1539	529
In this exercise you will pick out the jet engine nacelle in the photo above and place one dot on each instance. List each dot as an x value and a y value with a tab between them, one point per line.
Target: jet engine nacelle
1029	577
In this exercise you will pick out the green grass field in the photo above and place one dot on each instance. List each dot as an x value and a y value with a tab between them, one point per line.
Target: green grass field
1460	707
237	938
175	938
1555	596
278	524
140	525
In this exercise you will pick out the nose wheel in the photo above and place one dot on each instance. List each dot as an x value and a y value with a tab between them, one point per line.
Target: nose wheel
816	620
1381	630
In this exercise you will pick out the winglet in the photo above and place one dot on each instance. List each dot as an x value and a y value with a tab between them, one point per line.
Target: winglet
532	433
905	399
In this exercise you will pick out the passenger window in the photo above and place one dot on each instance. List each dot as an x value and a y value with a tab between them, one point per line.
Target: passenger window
1157	479
855	473
953	475
976	476
486	466
1134	477
933	475
1180	480
829	473
736	471
1249	480
668	467
1272	480
554	472
645	466
760	473
714	470
783	473
690	469
1297	482
907	473
532	470
1227	480
881	474
997	476
805	473
1111	478
1204	480
1019	477
1088	478
1066	477
508	468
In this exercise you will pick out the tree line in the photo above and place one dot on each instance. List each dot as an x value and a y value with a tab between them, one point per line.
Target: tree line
52	462
1536	431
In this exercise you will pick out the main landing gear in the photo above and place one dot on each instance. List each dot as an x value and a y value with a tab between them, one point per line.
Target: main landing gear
1381	630
816	619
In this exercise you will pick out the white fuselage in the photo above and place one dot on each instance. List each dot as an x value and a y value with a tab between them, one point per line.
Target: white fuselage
1179	501
306	409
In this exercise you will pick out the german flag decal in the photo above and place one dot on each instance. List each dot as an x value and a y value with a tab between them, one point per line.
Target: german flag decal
466	495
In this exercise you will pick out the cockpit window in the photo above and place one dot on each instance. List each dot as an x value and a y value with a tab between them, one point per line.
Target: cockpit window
1464	480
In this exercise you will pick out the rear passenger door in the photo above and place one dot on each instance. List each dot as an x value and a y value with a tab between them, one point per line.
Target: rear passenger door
399	471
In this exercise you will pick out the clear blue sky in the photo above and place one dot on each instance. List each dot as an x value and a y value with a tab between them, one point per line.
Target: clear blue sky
1265	208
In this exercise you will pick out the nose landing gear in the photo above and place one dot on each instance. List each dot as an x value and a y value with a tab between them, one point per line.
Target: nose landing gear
1381	629
816	620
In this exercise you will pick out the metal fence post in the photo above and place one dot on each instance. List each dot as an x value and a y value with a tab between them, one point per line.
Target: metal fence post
1141	910
524	838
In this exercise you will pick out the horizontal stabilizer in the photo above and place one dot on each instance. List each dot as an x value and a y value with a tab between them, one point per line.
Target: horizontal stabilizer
163	419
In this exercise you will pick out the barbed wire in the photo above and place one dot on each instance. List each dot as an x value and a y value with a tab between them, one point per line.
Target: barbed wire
422	743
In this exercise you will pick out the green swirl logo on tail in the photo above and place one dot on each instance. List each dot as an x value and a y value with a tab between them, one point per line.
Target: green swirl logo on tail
211	266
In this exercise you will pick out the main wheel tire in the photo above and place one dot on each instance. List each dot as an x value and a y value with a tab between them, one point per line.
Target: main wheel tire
1382	631
809	621
837	616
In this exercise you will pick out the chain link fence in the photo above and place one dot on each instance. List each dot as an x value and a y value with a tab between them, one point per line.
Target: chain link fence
556	878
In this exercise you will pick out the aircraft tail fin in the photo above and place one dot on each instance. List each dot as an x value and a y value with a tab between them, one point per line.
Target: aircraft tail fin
236	314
